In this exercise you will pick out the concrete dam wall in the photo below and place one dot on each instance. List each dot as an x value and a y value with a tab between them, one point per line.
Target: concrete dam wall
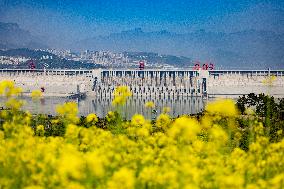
153	83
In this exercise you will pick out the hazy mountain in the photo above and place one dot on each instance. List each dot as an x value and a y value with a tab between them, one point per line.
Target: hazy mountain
246	49
12	36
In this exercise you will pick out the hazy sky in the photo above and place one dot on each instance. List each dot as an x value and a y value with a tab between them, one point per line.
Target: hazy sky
70	20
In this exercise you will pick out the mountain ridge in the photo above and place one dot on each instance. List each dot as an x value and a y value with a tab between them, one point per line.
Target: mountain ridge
240	49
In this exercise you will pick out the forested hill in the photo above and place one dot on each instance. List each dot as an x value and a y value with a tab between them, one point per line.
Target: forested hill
51	63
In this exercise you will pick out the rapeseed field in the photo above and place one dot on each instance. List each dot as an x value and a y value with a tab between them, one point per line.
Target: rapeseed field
185	152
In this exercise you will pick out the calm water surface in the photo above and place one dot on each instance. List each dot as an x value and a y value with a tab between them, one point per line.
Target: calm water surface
100	106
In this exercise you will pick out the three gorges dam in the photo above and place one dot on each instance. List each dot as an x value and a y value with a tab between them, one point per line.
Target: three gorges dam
148	82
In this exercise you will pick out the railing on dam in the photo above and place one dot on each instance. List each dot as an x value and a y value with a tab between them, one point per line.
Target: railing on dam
150	71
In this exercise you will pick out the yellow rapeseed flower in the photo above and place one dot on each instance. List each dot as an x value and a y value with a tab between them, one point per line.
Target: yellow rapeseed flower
14	104
249	111
75	185
123	178
269	80
149	104
33	187
54	121
91	118
95	163
36	94
40	130
71	165
8	88
184	153
163	121
218	134
121	94
69	110
110	116
138	120
223	107
142	132
166	110
184	127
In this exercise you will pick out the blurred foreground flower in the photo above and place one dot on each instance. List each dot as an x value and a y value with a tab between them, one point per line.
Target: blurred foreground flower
149	104
123	178
166	110
137	120
184	127
36	94
69	111
182	152
163	121
91	118
14	104
121	94
8	89
269	80
222	107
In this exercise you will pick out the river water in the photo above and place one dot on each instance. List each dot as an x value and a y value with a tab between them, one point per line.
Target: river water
100	106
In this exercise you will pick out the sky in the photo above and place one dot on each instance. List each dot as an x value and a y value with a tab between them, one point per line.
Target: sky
70	20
